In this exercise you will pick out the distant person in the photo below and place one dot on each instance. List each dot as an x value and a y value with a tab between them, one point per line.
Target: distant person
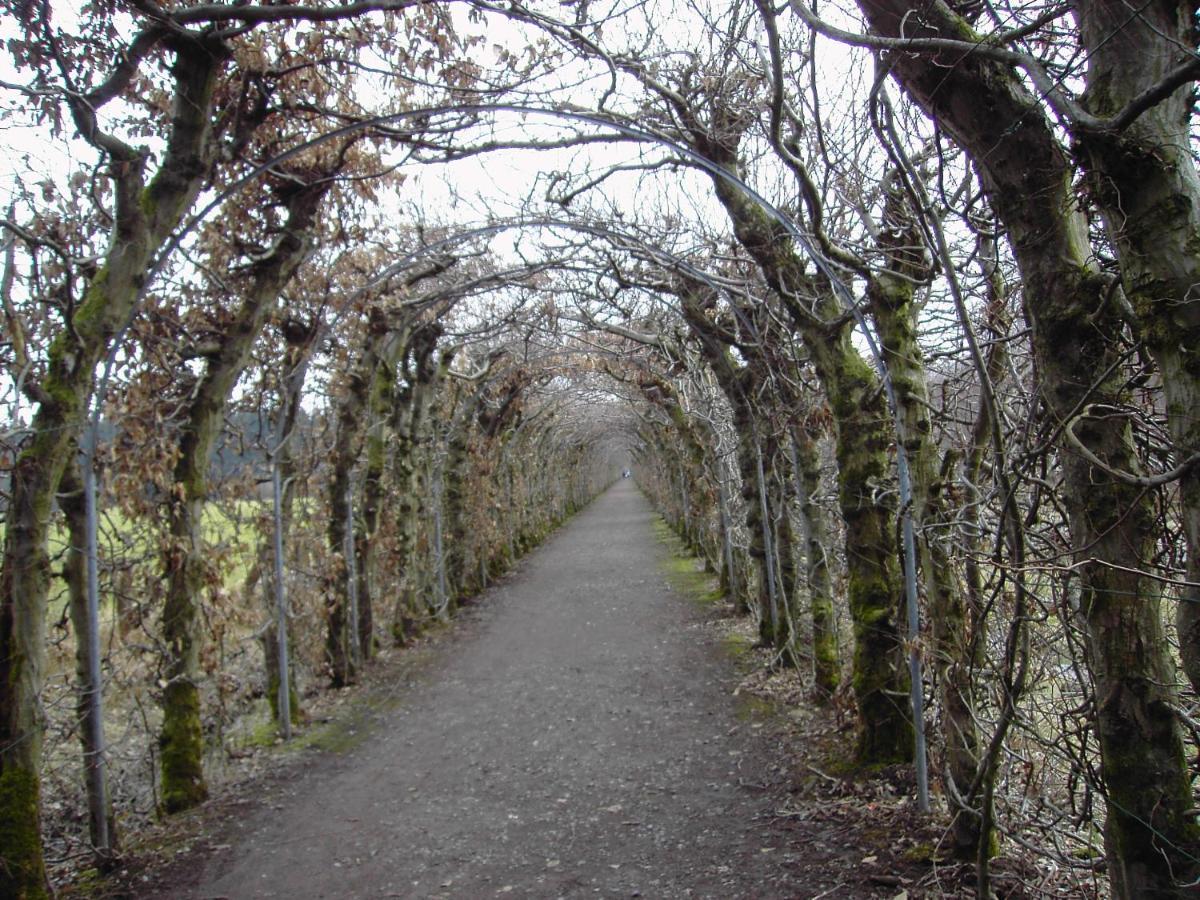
625	474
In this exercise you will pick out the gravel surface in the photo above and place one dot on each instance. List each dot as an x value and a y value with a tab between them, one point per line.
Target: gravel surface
578	738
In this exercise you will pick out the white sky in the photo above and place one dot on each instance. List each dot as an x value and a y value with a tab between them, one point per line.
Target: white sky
474	190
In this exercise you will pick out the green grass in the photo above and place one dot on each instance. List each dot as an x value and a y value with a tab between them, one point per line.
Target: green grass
738	645
228	529
684	571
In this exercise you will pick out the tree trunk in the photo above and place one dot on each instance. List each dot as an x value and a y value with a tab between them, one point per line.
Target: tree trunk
770	619
864	432
815	535
739	384
1077	328
270	645
185	561
891	296
785	551
1145	182
379	406
413	439
381	346
454	490
339	630
143	217
729	580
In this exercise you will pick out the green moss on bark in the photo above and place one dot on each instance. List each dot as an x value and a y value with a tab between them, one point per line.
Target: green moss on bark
270	643
181	746
885	734
22	871
273	698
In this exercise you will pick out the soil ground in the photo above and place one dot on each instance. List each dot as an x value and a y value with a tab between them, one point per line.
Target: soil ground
580	734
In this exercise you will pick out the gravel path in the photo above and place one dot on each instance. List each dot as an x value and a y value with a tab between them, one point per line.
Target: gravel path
579	739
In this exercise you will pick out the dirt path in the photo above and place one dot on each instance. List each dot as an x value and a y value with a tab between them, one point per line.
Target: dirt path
579	740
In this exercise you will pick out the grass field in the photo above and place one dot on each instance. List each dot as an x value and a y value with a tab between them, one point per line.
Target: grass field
230	532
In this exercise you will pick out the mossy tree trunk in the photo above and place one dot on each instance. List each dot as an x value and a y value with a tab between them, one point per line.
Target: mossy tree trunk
143	216
891	299
354	410
816	533
1144	181
454	495
1150	832
339	630
412	427
864	432
185	564
368	415
405	444
380	402
390	424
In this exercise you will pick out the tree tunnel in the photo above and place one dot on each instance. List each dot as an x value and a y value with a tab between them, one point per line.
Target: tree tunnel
319	317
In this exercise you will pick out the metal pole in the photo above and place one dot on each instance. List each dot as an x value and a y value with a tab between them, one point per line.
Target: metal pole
443	596
97	772
726	537
914	629
769	562
352	575
284	704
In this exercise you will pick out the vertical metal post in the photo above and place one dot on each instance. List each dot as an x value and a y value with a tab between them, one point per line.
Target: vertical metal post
352	575
440	556
284	704
97	771
917	689
768	544
683	505
726	537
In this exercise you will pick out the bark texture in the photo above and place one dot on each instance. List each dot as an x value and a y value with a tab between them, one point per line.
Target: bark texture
144	215
185	564
891	300
864	433
413	438
988	111
816	536
1145	182
342	633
